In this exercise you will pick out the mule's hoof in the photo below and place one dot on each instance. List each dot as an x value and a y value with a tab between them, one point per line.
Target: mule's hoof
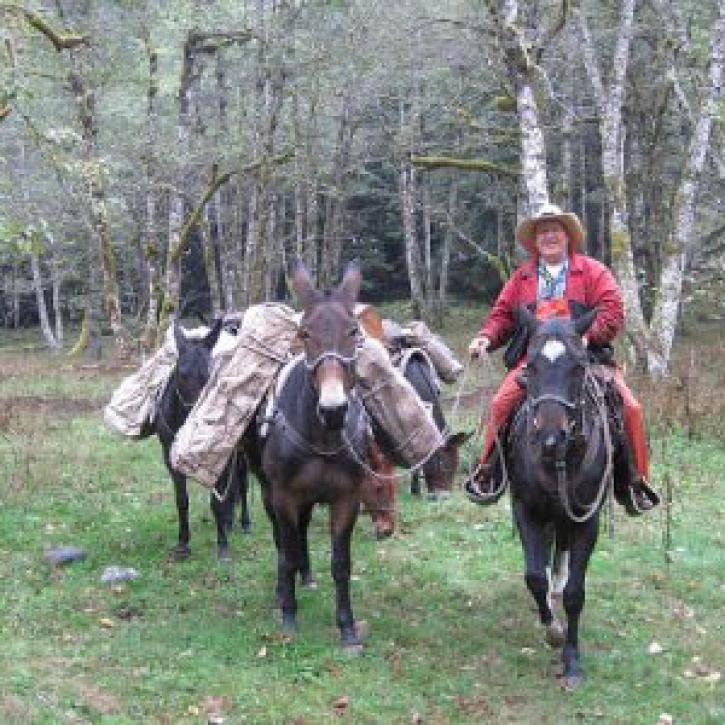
309	582
180	552
350	640
353	650
289	627
436	496
223	556
382	534
554	634
246	528
569	683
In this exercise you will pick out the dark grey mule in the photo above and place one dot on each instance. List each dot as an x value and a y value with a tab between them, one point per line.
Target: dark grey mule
440	470
187	380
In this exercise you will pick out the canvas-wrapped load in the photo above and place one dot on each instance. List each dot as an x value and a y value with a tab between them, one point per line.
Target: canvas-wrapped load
394	404
239	380
132	406
417	334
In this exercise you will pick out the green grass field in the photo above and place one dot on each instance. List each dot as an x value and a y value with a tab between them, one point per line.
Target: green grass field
452	633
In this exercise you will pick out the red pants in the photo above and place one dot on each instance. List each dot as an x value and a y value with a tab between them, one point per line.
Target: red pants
510	394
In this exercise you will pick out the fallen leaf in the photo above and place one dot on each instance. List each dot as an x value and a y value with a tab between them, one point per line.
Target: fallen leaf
105	622
655	648
262	652
192	710
341	704
713	677
665	719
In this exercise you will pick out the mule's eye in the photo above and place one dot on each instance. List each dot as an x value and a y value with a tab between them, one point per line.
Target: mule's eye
304	334
354	332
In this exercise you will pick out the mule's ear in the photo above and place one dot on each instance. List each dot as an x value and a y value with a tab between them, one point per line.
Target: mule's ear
583	323
212	337
302	284
179	337
528	319
456	440
349	288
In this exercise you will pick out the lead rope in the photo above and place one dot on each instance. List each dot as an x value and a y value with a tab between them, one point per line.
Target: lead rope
604	484
488	365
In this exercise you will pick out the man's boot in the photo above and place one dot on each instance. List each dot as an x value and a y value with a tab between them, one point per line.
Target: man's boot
481	486
641	497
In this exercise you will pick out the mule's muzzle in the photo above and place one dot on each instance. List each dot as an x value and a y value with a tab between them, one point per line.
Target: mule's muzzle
333	417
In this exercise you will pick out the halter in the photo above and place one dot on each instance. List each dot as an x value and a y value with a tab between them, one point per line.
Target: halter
347	362
533	404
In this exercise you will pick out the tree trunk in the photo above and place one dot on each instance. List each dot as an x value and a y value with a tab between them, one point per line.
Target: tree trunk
520	70
56	281
413	259
40	300
675	255
86	102
609	105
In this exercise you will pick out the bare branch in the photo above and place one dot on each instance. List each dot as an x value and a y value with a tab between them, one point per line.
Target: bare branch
60	41
448	162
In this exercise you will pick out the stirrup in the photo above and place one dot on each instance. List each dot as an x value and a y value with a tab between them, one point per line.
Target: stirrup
631	504
481	498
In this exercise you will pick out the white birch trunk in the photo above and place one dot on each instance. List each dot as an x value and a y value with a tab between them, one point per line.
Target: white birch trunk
40	300
609	104
667	304
412	251
56	282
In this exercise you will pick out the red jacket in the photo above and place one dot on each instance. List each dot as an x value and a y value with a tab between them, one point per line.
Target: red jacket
588	282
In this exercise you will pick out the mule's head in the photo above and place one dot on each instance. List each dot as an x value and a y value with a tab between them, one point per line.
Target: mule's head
441	469
555	370
378	491
329	333
194	360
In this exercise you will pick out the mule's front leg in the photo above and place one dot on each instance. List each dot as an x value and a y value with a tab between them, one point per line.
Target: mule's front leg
182	549
343	514
221	501
582	545
536	541
288	563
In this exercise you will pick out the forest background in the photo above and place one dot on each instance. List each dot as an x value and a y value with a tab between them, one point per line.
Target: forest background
165	157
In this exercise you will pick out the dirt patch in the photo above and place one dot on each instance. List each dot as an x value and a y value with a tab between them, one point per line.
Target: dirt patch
13	709
20	414
98	700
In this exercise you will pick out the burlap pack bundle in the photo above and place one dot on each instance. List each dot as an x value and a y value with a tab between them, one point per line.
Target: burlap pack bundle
417	334
238	382
131	408
395	405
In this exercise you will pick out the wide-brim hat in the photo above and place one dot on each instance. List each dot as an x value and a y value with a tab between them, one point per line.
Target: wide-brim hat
526	230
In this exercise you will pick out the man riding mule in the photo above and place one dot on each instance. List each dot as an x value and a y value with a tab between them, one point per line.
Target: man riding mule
557	279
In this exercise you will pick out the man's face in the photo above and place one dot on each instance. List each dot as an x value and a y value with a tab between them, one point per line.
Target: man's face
552	241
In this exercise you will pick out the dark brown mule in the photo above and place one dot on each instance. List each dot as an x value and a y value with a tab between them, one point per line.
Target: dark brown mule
560	456
316	440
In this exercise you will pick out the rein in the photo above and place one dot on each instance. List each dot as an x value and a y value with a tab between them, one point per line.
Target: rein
606	479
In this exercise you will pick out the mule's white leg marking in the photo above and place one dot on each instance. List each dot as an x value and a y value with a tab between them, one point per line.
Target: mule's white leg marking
549	603
553	349
561	575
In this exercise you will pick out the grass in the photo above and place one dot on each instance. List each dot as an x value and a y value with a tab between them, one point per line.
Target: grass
452	630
